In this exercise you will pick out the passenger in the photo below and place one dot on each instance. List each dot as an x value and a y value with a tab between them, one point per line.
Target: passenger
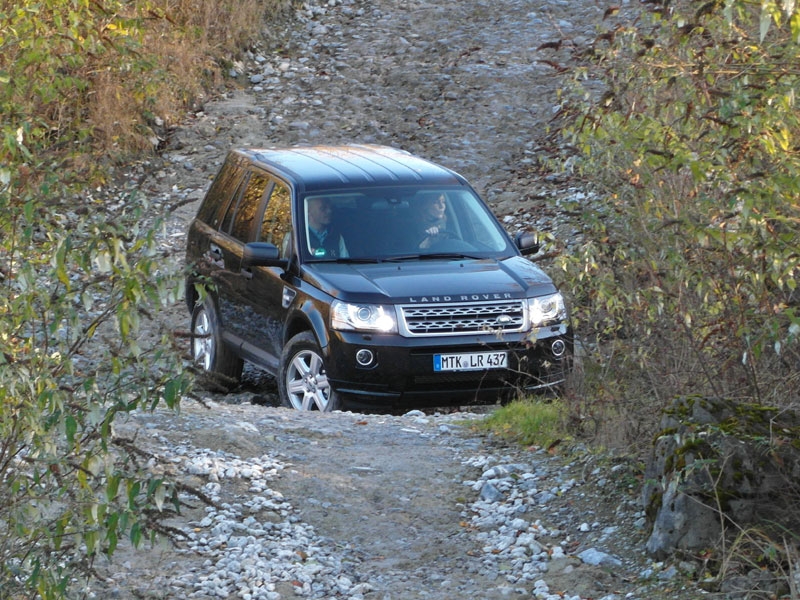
323	239
432	220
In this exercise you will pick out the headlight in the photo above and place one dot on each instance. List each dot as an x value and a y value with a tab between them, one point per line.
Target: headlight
362	317
547	309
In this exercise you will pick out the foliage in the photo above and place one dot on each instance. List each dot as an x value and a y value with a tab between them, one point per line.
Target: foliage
102	73
687	278
74	290
80	270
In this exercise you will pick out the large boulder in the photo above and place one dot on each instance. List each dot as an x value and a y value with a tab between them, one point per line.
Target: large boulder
717	462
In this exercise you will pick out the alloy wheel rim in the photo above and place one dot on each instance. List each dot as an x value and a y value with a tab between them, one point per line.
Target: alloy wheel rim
306	382
202	341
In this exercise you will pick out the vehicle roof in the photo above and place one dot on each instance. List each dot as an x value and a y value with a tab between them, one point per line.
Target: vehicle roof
317	168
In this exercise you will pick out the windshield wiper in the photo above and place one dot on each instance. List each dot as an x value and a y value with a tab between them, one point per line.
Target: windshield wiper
433	256
346	260
449	255
403	257
359	260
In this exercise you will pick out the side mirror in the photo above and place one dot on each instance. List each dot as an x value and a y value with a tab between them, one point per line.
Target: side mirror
527	242
262	254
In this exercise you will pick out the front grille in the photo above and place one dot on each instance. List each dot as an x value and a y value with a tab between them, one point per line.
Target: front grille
462	318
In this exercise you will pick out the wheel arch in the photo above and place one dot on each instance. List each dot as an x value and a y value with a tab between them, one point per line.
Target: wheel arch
307	317
191	295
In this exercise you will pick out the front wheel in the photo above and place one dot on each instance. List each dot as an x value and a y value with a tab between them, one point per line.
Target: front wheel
304	383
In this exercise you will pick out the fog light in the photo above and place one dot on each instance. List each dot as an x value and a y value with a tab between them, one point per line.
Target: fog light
558	348
365	357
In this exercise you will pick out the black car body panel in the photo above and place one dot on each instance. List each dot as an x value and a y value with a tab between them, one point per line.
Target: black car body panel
425	281
454	316
325	168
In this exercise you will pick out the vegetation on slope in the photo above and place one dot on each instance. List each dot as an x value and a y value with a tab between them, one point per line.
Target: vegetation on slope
82	83
687	280
686	123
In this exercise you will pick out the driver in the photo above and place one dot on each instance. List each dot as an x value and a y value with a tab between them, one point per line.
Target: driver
324	240
432	220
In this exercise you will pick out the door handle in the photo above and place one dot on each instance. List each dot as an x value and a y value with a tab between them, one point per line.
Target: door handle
215	257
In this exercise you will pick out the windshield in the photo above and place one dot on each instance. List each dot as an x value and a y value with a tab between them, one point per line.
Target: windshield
396	224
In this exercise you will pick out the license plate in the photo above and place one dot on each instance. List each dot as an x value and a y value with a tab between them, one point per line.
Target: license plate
473	361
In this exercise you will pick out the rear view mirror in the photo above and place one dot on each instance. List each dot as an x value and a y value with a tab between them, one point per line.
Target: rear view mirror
527	242
262	254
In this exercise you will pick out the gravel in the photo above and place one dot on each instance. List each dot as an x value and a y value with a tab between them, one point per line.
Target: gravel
366	506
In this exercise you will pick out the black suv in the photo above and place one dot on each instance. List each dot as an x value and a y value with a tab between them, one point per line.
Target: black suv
364	276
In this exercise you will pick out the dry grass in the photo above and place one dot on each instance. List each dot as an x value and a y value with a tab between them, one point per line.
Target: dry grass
224	26
183	47
118	67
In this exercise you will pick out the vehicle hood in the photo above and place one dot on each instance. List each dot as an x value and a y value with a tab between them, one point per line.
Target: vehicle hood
430	280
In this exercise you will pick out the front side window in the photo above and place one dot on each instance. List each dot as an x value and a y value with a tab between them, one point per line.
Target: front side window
324	223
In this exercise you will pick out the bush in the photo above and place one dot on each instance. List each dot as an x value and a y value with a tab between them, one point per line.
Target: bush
74	291
83	84
687	279
93	77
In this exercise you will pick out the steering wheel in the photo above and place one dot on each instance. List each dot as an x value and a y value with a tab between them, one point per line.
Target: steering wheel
437	237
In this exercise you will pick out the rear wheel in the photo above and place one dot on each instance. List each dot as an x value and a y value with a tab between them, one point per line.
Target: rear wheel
304	382
209	352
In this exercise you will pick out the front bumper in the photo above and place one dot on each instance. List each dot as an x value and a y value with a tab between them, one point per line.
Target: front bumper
402	373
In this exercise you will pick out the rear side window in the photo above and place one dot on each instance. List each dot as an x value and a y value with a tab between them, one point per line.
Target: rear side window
222	190
248	207
276	227
232	206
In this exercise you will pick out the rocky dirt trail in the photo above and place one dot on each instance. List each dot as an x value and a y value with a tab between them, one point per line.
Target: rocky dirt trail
387	507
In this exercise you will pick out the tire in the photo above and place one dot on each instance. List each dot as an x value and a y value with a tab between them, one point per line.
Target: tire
208	350
302	382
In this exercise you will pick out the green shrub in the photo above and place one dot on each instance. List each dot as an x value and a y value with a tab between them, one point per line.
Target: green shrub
82	85
687	278
73	293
